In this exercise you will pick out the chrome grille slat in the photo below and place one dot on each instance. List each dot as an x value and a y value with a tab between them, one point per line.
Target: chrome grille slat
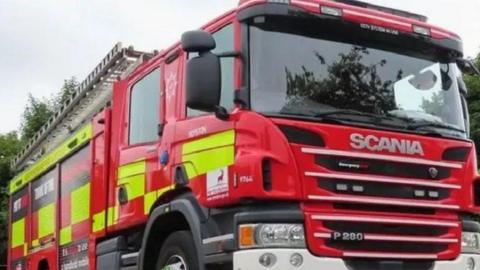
391	202
390	255
419	222
388	180
412	160
378	237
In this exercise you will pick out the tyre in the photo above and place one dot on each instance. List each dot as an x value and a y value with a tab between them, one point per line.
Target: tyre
178	253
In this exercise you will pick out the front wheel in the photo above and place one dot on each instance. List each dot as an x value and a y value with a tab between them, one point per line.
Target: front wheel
178	253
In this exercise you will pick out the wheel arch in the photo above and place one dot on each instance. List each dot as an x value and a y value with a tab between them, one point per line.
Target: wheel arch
181	213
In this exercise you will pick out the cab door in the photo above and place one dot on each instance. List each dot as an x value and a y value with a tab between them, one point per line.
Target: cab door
138	153
204	143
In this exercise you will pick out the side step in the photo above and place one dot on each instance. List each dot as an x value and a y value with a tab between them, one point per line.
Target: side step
129	261
114	254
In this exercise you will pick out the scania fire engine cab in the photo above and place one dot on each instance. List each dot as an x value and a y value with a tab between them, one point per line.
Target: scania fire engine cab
285	134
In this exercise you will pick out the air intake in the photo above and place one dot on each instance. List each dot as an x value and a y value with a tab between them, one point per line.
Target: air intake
302	136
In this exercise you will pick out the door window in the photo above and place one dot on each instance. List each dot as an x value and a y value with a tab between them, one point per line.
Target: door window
145	109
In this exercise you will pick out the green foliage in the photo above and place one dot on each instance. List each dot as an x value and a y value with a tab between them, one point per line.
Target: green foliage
473	85
36	114
38	111
68	88
9	146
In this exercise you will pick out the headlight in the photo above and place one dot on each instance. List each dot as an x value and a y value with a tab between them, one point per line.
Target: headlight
470	242
271	235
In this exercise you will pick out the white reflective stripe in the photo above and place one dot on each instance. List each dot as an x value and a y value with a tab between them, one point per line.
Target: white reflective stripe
381	157
378	237
218	238
383	202
389	255
355	13
393	180
386	220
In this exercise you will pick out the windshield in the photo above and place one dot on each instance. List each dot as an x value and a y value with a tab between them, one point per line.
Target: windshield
301	68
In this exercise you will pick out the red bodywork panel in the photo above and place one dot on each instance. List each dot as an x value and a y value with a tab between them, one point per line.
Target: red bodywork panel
363	15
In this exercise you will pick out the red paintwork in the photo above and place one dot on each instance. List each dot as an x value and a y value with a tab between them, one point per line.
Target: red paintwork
257	138
362	15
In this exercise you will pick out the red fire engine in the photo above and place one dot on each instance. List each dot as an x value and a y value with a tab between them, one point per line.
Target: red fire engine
286	134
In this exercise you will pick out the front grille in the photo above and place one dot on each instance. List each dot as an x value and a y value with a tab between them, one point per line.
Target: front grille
396	238
388	209
394	204
380	167
353	187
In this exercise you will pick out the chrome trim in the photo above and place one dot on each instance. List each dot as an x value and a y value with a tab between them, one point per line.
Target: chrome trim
383	202
393	180
403	221
218	238
382	255
379	237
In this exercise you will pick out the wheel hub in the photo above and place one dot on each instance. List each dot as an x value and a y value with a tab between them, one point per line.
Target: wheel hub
175	262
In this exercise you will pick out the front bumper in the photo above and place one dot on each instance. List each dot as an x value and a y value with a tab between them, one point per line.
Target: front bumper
249	260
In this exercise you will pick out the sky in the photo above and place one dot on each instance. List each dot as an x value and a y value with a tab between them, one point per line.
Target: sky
44	42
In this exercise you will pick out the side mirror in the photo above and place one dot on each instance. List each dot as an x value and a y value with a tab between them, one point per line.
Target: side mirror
468	67
203	82
198	41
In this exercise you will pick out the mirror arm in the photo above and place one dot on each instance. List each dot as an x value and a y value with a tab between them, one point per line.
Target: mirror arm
230	54
222	113
468	67
476	69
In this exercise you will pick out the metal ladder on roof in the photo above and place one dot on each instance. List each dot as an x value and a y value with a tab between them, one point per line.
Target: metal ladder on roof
92	95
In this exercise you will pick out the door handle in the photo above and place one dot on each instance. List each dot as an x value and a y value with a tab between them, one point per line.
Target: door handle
122	195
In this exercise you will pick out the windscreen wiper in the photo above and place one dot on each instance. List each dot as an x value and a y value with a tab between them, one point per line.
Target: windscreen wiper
309	116
433	125
377	119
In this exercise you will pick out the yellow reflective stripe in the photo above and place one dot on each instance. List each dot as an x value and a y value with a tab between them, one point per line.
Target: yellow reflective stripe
148	201
66	235
132	178
18	233
150	198
135	168
25	249
80	204
35	243
46	220
205	161
40	167
112	215
134	185
213	141
98	222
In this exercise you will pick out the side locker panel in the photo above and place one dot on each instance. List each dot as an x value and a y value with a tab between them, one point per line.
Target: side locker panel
100	167
75	222
44	192
19	229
